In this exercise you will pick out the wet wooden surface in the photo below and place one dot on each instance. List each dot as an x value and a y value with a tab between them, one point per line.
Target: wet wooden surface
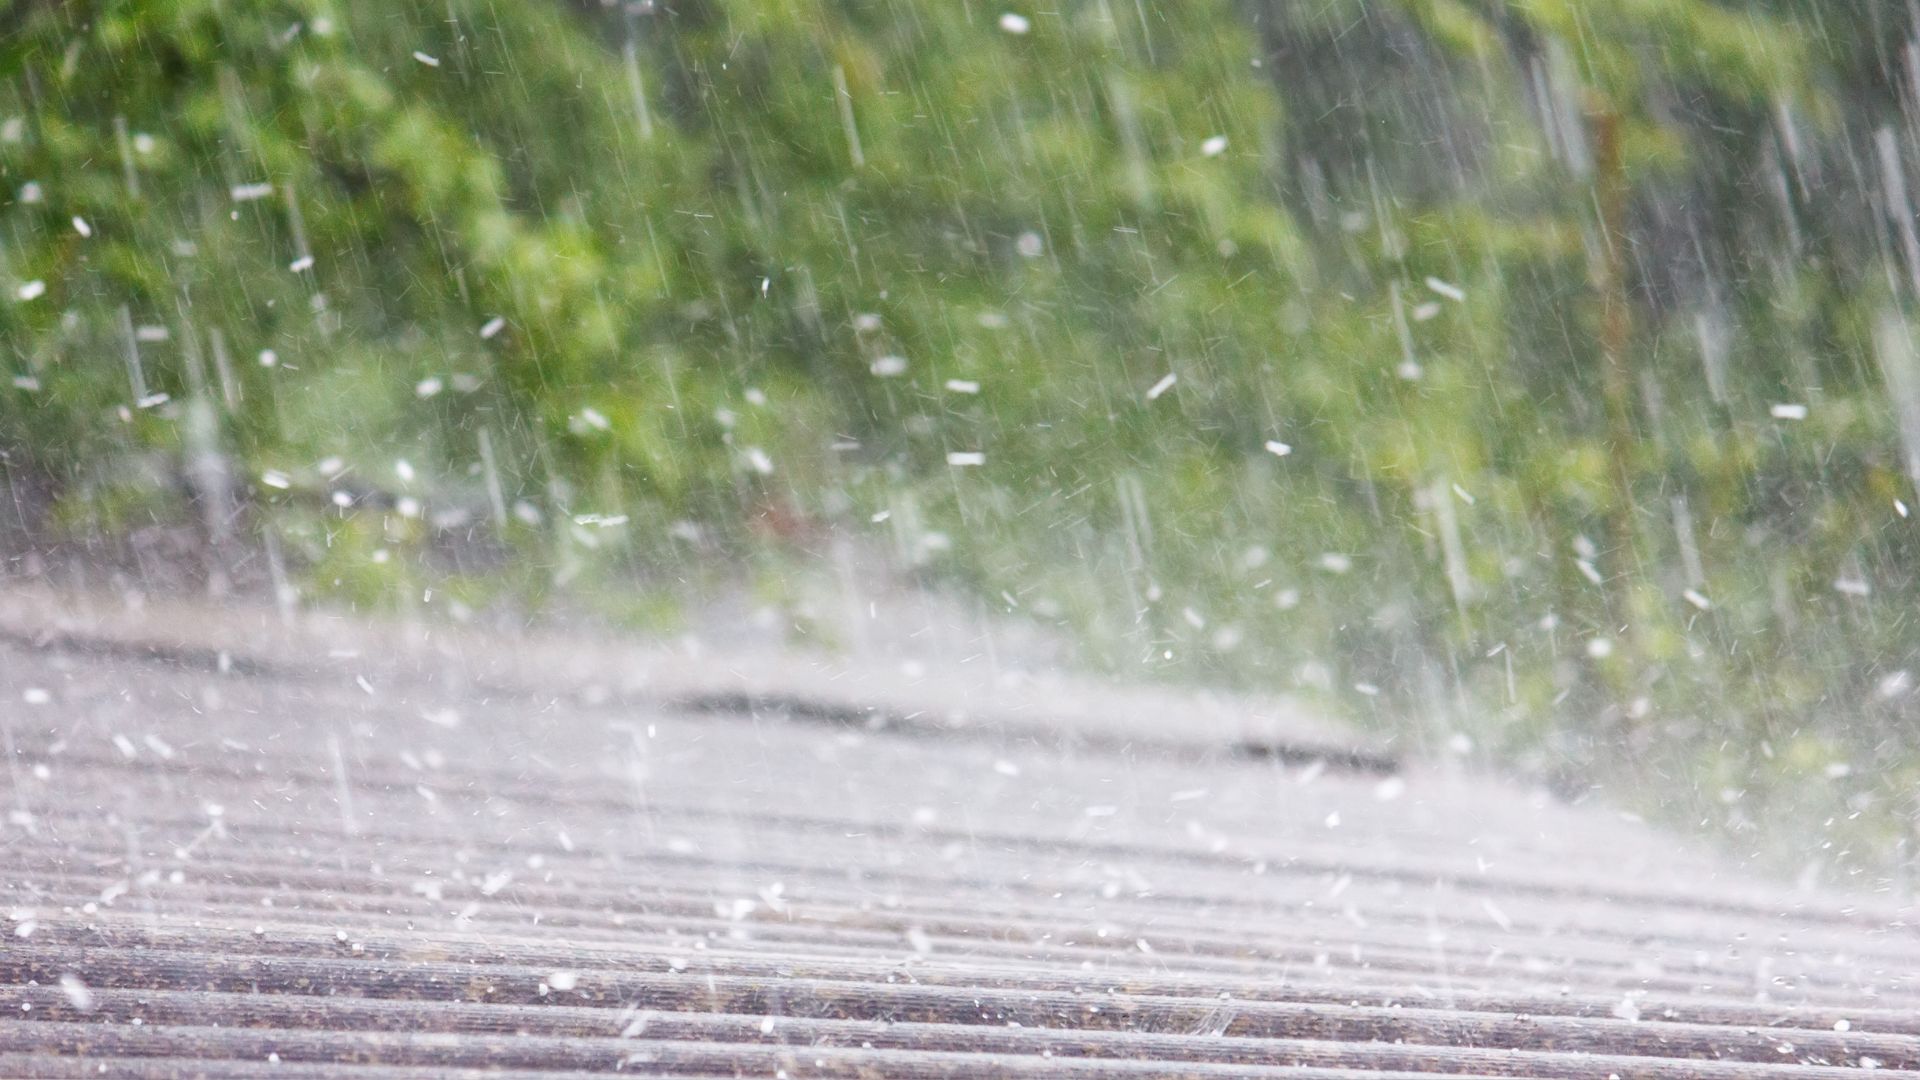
327	848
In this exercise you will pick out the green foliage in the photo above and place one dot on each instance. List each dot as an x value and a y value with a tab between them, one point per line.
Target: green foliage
628	291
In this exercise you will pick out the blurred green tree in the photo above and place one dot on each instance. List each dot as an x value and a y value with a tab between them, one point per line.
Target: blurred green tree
1536	370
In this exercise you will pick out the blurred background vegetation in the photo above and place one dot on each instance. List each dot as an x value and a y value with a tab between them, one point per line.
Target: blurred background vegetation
1530	377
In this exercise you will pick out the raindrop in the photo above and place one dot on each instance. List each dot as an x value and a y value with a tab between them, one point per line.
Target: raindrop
1893	685
77	993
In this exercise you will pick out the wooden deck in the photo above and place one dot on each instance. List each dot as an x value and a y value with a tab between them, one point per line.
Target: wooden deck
239	847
